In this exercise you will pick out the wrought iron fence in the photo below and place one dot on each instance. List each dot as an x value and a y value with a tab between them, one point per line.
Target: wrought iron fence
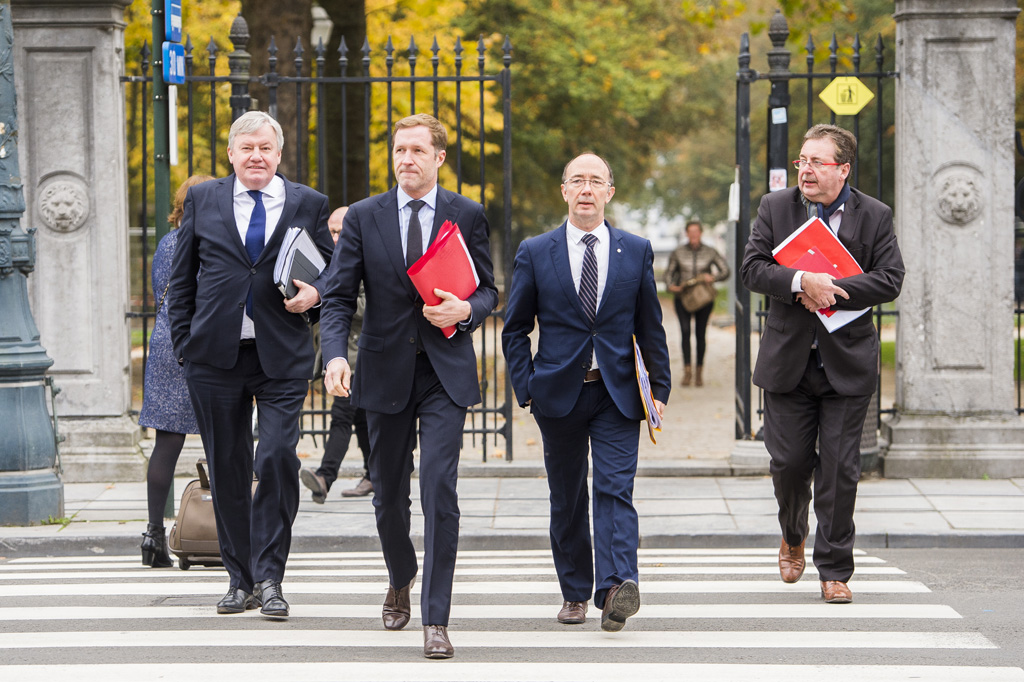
483	136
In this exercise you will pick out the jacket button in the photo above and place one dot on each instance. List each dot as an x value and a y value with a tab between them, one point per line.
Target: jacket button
412	340
241	304
253	271
593	333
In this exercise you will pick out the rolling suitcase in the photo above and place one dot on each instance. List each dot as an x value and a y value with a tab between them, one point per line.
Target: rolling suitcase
193	537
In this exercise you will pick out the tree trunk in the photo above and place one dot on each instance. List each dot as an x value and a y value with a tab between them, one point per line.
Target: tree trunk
285	22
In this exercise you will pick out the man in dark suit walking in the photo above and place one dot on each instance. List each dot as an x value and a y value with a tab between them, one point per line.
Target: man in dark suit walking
408	370
239	339
817	385
590	288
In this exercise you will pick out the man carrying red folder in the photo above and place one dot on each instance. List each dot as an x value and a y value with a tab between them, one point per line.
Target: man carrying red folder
818	385
409	370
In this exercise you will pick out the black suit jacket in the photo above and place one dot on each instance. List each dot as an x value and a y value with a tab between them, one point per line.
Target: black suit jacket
211	276
850	354
370	251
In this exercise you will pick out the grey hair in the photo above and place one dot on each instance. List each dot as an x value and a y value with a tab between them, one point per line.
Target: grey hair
250	122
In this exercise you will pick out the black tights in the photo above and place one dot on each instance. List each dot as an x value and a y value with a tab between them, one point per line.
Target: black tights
161	472
701	330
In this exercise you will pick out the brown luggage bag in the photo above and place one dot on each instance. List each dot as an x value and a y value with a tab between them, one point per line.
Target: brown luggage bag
193	537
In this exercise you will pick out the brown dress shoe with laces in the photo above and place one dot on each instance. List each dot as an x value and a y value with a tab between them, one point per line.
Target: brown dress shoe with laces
791	561
573	613
362	489
396	611
436	643
835	592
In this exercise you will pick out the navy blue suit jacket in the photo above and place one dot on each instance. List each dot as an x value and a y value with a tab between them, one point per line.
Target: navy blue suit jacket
370	251
542	290
212	273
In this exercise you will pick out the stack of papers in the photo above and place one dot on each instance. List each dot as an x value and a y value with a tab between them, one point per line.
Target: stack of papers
298	259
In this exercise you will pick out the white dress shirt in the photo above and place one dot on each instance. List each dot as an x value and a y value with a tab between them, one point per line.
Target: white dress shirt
578	248
273	204
426	217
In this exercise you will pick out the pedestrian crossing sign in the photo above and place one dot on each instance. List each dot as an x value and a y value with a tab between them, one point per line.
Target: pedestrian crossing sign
846	95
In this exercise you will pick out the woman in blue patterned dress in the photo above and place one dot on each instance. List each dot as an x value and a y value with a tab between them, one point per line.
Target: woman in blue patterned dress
166	406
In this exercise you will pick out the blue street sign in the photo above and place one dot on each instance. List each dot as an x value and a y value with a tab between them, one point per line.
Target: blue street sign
172	20
174	64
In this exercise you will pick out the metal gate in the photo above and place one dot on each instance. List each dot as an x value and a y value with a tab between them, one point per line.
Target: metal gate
875	121
476	152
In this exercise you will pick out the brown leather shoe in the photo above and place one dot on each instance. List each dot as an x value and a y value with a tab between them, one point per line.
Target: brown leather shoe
314	482
791	561
573	613
436	643
362	489
396	611
835	592
621	602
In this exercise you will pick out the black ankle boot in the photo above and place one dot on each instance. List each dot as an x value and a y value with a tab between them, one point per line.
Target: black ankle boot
154	548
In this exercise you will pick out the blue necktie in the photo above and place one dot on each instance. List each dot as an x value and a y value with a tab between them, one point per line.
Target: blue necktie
588	286
255	237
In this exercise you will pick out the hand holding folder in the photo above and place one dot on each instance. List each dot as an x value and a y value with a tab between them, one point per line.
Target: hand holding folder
646	397
446	265
298	259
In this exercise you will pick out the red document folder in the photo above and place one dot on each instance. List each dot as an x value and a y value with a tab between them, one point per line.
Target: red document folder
813	247
446	265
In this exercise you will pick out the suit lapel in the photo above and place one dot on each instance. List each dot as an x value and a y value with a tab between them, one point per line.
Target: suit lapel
291	206
849	227
614	260
226	206
562	270
390	231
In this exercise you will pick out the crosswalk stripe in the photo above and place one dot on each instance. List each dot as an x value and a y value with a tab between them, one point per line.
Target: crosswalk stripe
455	671
545	612
464	587
519	571
723	639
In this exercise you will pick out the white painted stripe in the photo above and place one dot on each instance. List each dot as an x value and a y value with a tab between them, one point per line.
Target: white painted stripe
460	572
742	639
545	612
456	671
181	588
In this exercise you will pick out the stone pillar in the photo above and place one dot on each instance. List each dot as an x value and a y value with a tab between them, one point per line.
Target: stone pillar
70	55
955	400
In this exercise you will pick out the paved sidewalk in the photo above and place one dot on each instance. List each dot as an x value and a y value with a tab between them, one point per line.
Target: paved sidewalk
505	512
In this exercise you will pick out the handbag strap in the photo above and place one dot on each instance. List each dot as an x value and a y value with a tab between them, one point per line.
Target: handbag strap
162	297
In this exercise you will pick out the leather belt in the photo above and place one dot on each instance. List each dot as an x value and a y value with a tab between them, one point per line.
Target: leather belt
592	375
247	342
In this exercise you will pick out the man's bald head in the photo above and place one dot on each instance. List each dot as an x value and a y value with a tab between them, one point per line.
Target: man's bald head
334	223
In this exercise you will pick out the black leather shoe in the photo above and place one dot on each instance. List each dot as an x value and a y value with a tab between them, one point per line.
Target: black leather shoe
154	547
269	595
236	601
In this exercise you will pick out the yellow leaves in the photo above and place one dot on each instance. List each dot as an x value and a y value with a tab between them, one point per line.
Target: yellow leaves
654	74
704	49
589	58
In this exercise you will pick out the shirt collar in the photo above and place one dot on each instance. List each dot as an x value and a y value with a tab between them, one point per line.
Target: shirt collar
274	189
576	234
430	197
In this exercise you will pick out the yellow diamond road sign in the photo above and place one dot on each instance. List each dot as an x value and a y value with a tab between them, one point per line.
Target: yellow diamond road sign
846	95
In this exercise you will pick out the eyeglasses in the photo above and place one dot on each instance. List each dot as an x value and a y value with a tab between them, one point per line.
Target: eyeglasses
596	185
800	163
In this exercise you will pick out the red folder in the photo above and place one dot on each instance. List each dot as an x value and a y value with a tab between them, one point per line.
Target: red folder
446	265
815	235
814	261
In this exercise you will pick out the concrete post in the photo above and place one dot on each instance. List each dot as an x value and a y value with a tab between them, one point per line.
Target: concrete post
70	55
955	405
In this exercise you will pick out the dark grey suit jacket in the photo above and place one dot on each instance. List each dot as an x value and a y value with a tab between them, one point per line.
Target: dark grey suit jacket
850	354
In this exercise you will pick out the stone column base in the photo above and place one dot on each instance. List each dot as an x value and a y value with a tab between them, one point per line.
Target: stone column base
749	457
936	446
30	497
101	449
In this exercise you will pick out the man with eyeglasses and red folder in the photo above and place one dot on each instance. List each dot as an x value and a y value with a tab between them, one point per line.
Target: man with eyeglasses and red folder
818	385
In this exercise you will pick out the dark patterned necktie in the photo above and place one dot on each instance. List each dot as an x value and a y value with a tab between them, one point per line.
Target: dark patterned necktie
255	236
414	239
588	279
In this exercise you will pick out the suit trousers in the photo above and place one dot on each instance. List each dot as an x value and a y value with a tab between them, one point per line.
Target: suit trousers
254	529
813	413
344	417
596	425
392	440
